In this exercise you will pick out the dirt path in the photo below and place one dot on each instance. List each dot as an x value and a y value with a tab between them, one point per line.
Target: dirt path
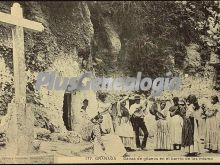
86	148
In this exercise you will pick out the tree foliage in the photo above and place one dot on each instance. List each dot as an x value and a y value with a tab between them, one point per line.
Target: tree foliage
154	34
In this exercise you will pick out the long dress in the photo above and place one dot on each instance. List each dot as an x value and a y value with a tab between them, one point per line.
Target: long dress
218	127
176	124
162	137
124	128
107	123
202	124
112	143
190	134
212	128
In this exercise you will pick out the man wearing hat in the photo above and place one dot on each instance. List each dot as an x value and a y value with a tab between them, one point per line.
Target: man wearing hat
137	112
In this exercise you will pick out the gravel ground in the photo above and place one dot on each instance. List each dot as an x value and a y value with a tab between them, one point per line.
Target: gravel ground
60	148
168	153
85	149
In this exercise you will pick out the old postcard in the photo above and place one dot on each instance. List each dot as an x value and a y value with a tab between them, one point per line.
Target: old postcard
109	82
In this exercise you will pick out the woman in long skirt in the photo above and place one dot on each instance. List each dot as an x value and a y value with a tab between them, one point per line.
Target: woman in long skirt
162	137
202	123
105	110
124	128
212	142
105	144
190	134
176	124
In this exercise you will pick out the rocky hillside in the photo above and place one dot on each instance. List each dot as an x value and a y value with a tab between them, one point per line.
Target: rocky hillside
62	47
109	38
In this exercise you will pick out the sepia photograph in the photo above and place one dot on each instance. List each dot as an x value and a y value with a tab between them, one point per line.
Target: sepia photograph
109	82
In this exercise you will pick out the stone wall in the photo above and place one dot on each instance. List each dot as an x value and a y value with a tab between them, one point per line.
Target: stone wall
53	100
79	124
60	47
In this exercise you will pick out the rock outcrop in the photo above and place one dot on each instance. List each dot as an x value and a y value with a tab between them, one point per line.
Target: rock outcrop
79	36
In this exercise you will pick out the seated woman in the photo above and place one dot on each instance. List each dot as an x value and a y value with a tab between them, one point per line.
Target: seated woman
84	121
105	143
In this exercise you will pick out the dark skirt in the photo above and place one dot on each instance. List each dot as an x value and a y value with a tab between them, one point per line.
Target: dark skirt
188	132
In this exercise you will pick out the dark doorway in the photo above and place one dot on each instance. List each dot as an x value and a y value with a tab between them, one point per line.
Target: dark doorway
67	111
217	77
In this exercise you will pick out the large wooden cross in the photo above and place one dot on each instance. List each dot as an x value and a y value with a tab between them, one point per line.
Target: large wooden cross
20	127
18	23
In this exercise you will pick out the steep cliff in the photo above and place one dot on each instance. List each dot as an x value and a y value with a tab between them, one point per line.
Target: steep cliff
109	38
61	47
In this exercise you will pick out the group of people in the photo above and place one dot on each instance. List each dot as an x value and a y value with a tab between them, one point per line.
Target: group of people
182	124
188	125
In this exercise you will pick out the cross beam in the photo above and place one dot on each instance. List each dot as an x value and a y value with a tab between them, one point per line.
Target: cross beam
20	127
13	20
16	18
18	23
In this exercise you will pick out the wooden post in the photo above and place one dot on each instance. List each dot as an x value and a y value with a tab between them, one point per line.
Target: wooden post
18	57
20	131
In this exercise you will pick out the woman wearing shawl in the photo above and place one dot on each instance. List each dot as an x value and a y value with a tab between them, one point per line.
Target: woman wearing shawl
176	124
105	143
124	128
190	135
162	132
212	142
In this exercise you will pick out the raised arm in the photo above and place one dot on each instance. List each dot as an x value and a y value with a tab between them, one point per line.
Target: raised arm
173	111
210	113
161	114
118	109
125	98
